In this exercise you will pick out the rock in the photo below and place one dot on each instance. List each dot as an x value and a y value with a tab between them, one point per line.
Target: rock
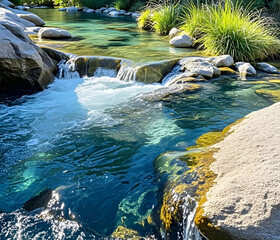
265	67
182	41
8	3
217	72
114	13
222	61
244	202
155	72
8	16
62	9
112	9
22	8
125	233
33	29
72	9
32	18
128	14
183	80
90	11
122	12
227	71
38	201
24	67
98	11
135	15
198	66
165	93
55	54
174	32
53	33
245	69
103	9
273	95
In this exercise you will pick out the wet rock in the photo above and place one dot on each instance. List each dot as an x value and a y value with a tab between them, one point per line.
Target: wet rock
114	13
265	67
98	11
125	233
135	15
32	18
72	9
227	71
33	29
182	41
155	72
24	66
122	12
53	33
112	9
55	54
174	32
8	3
103	9
199	66
165	93
90	11
217	72
222	61
62	9
128	14
245	69
38	201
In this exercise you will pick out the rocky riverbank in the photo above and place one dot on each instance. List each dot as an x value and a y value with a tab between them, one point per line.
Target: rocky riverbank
244	201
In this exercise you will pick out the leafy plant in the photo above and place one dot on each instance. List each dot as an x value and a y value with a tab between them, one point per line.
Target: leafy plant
122	4
144	21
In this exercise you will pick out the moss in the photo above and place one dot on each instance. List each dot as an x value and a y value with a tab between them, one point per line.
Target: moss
125	233
273	95
227	71
275	81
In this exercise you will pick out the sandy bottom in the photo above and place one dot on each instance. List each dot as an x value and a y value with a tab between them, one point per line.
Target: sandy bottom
245	201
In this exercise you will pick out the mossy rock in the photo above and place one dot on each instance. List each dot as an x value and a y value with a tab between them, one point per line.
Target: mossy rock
55	54
155	72
125	233
273	95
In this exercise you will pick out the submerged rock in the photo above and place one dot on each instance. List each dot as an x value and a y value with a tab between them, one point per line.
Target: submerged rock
245	69
38	201
53	33
265	67
155	72
273	95
182	41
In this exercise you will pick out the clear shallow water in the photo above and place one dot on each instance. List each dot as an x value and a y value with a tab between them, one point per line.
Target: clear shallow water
94	141
98	34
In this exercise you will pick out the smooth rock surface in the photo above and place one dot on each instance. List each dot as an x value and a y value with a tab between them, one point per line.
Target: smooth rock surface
32	18
22	8
90	11
8	3
222	61
24	66
182	41
53	33
114	13
72	9
245	201
245	69
199	66
265	67
174	32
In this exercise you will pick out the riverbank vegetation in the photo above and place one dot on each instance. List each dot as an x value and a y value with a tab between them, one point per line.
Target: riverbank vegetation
225	27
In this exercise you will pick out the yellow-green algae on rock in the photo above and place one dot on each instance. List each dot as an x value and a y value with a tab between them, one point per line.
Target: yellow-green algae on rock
199	158
125	233
273	95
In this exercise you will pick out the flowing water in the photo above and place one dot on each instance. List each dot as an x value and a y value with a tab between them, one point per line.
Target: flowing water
95	142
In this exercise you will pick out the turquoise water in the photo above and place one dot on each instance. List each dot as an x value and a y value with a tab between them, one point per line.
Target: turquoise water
96	34
94	142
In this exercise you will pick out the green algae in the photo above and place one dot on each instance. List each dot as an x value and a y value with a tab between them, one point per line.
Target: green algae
125	233
273	95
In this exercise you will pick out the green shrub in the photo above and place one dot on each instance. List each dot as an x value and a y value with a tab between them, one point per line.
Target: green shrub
122	4
144	21
137	6
227	28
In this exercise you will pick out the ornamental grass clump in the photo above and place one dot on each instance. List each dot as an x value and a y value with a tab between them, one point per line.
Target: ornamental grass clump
144	21
227	28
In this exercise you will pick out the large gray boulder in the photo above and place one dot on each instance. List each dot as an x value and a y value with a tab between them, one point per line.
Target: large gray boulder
53	33
24	66
222	61
32	18
182	41
8	3
7	15
174	32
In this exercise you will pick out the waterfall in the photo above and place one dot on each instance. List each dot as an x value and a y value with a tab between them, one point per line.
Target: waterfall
127	72
104	72
67	69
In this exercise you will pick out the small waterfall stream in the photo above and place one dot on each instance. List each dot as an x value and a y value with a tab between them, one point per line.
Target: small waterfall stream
127	72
